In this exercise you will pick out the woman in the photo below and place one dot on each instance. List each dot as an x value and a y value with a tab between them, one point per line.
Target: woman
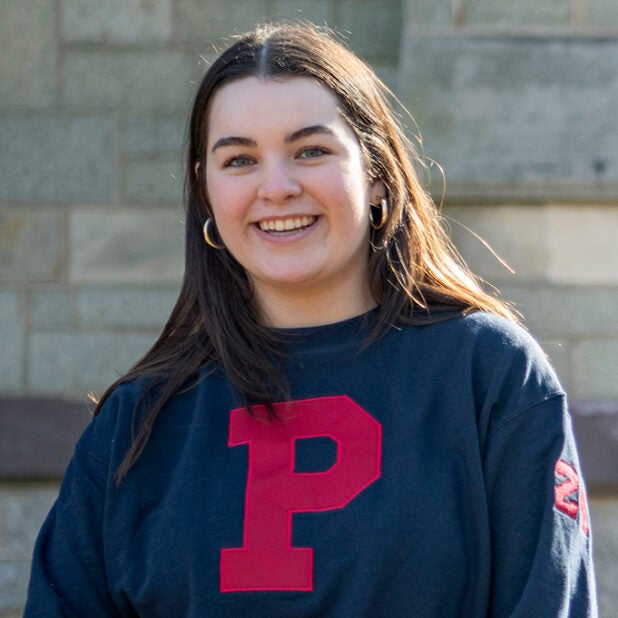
336	420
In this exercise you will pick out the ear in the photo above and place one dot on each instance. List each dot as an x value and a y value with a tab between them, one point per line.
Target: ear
196	169
377	191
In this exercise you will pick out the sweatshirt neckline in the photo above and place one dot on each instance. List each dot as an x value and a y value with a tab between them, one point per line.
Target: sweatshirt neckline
313	338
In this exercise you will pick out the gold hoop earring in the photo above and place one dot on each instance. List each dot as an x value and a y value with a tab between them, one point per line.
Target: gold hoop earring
207	237
383	207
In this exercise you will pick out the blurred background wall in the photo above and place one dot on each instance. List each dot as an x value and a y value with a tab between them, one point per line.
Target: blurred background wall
516	100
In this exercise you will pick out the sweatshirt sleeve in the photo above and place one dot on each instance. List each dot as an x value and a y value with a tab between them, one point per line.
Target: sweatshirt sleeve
540	530
68	574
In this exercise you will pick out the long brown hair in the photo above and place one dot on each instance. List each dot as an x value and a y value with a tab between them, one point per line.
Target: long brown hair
415	274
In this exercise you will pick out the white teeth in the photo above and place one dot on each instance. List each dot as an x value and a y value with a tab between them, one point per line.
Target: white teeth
286	225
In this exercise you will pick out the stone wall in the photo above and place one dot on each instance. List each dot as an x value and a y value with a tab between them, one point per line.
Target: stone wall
515	99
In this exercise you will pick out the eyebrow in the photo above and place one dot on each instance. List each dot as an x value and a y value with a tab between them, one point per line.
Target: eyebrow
307	131
234	140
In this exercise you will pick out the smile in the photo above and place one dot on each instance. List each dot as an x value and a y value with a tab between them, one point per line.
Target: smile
292	224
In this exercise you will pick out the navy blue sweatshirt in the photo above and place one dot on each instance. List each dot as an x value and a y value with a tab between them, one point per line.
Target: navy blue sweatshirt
431	474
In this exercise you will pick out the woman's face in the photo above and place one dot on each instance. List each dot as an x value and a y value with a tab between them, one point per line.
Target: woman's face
289	191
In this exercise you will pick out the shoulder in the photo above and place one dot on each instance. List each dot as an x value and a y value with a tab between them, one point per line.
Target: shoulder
111	429
502	362
491	336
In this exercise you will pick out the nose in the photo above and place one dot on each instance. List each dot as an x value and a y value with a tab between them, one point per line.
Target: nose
278	183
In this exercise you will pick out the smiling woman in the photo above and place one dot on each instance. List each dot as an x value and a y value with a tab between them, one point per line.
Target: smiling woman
336	420
290	195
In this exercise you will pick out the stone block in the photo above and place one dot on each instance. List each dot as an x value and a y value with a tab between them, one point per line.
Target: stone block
57	159
373	27
24	510
515	233
146	80
30	243
153	181
151	134
316	11
514	110
143	245
422	13
595	367
604	518
14	577
12	338
75	363
582	247
116	21
506	14
387	73
567	311
29	54
50	308
207	22
559	354
603	14
114	307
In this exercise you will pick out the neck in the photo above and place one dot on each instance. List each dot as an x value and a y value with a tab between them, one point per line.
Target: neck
309	307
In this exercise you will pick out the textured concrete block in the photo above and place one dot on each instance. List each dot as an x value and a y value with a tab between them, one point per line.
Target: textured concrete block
14	576
117	21
515	233
604	518
29	54
75	363
126	246
521	13
582	245
570	311
125	307
515	110
204	22
595	367
146	135
12	338
57	159
30	243
50	308
559	353
316	11
154	80
387	73
603	14
158	181
419	13
374	26
24	510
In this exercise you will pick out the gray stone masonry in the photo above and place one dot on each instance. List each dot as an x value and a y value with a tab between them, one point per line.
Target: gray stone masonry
23	229
117	21
500	109
29	54
11	342
22	510
126	245
57	159
516	99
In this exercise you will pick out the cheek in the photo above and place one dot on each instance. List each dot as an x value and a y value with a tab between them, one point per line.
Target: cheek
226	199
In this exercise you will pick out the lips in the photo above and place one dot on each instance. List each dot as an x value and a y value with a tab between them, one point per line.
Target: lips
291	224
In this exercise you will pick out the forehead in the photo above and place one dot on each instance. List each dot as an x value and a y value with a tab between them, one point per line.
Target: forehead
251	104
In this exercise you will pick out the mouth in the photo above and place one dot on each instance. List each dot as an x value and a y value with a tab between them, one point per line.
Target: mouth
286	226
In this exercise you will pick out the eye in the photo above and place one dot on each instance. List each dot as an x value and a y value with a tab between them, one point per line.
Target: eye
312	152
239	161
